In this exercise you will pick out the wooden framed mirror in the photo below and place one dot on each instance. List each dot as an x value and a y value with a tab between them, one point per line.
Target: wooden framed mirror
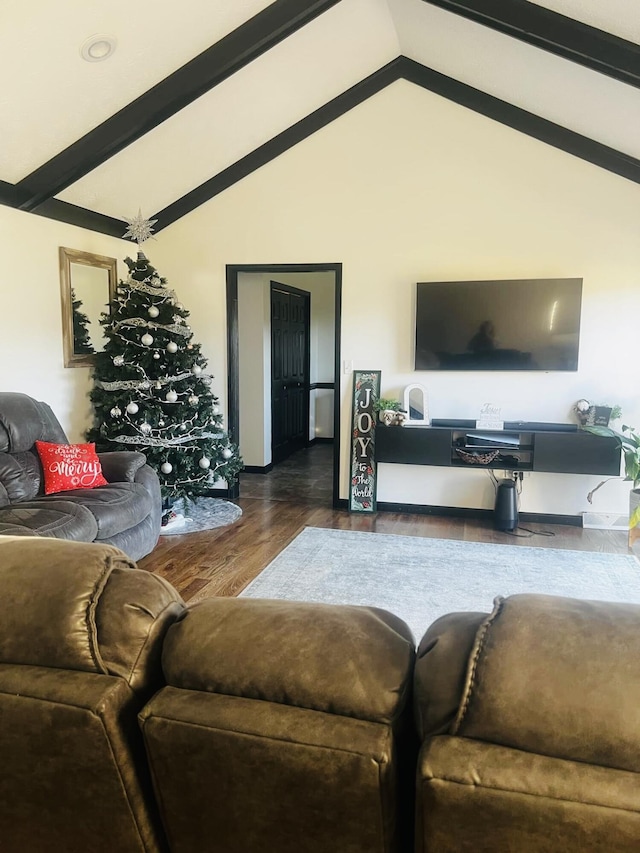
87	285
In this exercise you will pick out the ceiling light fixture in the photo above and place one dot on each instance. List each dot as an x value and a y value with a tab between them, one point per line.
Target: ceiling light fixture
98	47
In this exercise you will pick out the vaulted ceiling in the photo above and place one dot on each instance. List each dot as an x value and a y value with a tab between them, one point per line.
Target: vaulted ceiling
199	93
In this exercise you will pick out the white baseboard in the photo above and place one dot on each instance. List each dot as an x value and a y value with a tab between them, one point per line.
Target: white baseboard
605	521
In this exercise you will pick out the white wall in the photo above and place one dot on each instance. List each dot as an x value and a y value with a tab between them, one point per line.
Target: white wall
31	352
407	187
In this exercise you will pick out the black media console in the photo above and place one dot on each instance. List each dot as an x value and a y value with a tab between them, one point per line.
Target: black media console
521	446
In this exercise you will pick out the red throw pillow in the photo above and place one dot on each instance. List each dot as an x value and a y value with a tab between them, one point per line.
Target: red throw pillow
69	466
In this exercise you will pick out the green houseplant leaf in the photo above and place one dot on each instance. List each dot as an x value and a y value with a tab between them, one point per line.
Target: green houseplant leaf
386	403
629	442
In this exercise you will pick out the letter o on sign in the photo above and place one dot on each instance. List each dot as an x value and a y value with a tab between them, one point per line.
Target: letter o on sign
365	422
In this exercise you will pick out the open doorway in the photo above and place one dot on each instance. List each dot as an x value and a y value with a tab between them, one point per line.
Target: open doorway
249	389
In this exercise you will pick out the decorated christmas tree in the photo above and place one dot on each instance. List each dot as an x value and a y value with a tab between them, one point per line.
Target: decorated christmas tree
152	391
81	341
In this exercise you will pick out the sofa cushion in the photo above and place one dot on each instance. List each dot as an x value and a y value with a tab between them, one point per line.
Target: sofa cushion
7	529
556	676
54	586
69	466
116	507
347	660
62	519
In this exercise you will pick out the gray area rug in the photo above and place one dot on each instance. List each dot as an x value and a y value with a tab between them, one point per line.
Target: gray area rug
201	514
420	579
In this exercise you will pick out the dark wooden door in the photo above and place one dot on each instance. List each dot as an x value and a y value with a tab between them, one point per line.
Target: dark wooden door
289	370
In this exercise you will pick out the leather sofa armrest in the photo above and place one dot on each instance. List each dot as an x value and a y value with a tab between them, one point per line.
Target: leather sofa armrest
120	466
441	670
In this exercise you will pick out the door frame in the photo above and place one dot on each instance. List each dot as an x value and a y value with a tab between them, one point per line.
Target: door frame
233	364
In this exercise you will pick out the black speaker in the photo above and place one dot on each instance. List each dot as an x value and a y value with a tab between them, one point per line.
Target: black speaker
506	509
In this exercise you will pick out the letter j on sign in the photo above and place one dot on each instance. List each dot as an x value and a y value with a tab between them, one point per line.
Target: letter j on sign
362	486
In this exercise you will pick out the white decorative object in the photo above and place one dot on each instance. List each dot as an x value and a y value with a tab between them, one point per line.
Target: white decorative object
166	467
415	405
118	360
115	412
227	453
204	462
172	346
145	428
215	410
132	408
196	370
156	355
194	400
153	311
147	339
139	228
490	417
171	396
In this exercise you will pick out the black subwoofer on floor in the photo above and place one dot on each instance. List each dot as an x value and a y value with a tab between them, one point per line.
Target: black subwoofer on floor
505	514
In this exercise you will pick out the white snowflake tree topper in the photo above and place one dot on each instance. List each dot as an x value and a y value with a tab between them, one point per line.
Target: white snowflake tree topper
139	228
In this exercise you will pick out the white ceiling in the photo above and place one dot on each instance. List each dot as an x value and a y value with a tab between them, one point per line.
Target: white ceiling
51	97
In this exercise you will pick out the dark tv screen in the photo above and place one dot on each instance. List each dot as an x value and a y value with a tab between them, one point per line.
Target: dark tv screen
515	324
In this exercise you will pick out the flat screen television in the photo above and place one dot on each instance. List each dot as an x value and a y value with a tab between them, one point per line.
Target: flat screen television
513	324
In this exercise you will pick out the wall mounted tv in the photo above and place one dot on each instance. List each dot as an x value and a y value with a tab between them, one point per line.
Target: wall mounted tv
514	324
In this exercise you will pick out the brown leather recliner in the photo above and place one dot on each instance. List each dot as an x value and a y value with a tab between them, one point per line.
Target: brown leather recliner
284	727
530	720
126	512
80	642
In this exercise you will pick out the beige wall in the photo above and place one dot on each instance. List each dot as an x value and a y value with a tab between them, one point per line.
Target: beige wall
407	187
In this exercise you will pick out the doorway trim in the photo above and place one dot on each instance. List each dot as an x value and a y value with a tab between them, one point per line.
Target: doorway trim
233	363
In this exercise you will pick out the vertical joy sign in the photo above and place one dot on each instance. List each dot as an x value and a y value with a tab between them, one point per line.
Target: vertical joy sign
362	485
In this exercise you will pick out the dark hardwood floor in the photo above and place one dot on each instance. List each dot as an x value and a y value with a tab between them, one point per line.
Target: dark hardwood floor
297	494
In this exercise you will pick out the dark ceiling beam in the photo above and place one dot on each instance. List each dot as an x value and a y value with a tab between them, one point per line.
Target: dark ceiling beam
72	214
240	47
595	49
282	142
523	121
11	196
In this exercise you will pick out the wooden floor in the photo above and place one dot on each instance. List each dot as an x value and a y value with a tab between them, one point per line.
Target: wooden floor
297	494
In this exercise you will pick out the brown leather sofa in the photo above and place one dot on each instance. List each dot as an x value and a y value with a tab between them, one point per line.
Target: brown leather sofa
274	726
126	512
130	723
530	728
